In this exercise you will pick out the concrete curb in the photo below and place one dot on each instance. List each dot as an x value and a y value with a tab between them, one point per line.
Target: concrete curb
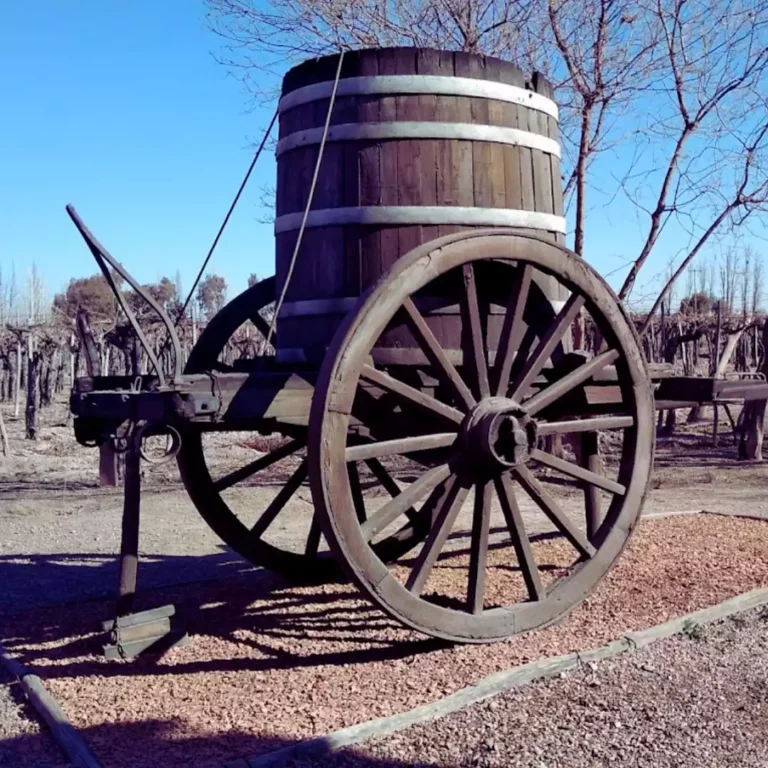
70	741
501	682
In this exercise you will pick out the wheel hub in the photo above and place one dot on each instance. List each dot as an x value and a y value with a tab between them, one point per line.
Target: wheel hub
499	434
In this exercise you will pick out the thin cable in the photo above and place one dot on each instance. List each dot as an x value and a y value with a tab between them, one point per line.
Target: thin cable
291	266
226	218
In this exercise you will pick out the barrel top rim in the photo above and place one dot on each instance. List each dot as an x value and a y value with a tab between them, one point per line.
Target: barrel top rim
292	81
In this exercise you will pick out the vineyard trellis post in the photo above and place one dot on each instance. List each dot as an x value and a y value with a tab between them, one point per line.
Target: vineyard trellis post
108	473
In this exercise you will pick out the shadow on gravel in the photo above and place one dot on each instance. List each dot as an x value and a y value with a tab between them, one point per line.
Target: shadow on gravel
36	581
277	625
152	743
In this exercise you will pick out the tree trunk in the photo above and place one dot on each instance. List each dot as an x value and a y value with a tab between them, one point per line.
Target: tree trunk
59	387
33	391
46	381
725	357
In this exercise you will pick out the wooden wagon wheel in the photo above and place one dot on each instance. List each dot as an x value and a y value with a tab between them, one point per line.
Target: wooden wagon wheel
483	426
247	530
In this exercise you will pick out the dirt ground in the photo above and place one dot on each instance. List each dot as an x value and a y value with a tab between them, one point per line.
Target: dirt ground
60	534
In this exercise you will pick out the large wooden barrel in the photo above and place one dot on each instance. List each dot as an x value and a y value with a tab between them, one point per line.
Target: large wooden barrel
422	143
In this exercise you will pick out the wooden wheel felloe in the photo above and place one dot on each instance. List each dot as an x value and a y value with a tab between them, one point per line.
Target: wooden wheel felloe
261	507
476	425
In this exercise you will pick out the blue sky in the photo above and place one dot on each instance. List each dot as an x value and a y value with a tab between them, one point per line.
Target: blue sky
121	109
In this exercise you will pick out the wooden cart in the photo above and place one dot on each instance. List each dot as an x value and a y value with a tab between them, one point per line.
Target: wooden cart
424	364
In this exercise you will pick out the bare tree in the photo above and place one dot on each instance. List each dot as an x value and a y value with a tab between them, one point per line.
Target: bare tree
729	265
211	294
37	301
685	80
262	38
600	56
712	134
757	284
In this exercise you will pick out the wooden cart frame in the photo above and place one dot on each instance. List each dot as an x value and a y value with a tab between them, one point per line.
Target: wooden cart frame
445	382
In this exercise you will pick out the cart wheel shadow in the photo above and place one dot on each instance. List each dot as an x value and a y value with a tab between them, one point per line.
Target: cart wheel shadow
274	624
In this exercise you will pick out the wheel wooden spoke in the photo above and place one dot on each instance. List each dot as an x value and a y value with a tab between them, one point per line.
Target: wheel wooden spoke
404	501
387	482
411	394
478	553
403	446
435	354
546	346
568	382
585	425
262	325
313	539
511	332
580	473
256	466
279	502
553	511
520	540
439	532
521	356
474	339
357	491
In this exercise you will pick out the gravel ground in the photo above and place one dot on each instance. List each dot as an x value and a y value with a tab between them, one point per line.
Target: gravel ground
699	700
269	664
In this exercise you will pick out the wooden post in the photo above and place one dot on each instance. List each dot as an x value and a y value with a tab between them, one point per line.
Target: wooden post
751	443
33	389
17	385
4	438
590	459
713	363
107	455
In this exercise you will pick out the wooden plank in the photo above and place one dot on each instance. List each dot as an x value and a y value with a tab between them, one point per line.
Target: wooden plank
527	200
320	269
553	132
391	62
542	165
496	195
435	63
347	111
411	167
368	266
459	159
513	195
